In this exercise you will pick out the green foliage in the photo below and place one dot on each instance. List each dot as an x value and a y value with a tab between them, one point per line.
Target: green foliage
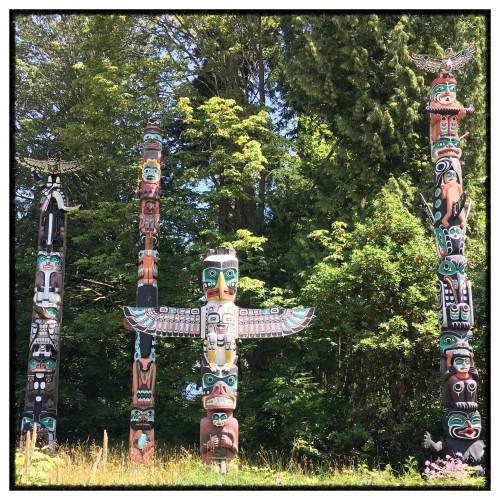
41	468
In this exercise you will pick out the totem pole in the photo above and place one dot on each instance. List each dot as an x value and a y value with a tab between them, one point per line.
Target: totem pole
141	438
219	323
448	216
40	404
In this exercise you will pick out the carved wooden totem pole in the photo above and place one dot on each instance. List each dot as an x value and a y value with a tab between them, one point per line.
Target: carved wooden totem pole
142	417
40	404
219	323
448	216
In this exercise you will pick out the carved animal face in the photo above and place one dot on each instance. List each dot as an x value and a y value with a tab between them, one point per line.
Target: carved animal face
453	340
219	391
220	277
446	146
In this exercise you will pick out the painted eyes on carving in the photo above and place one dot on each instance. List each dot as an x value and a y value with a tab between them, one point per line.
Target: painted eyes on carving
53	259
210	380
476	421
459	420
215	318
211	274
448	341
441	88
447	268
442	143
50	364
456	420
48	422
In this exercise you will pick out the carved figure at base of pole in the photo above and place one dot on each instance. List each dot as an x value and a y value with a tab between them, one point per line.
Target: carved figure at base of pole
142	447
219	438
462	427
141	437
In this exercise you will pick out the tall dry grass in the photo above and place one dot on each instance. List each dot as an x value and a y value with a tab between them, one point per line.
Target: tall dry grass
88	465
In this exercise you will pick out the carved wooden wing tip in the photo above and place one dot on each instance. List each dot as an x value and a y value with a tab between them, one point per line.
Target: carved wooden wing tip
272	322
461	58
164	321
426	62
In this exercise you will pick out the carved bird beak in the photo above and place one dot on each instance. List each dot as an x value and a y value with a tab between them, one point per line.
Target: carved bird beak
221	285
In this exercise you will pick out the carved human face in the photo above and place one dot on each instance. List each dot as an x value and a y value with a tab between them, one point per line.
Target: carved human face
462	424
152	134
40	364
444	93
443	165
151	170
219	419
455	232
450	177
220	277
142	418
47	261
461	364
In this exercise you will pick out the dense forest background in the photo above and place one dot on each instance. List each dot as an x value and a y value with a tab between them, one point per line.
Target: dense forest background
302	140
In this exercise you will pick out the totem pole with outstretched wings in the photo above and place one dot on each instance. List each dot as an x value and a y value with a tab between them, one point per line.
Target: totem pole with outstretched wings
220	323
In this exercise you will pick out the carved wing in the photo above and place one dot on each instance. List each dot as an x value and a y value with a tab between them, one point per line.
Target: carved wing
164	321
426	62
48	165
273	322
461	58
33	163
436	64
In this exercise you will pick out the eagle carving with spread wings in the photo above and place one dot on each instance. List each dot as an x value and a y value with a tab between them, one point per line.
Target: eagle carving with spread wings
220	322
189	322
448	64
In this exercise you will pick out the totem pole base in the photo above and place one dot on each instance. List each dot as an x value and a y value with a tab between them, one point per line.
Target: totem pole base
141	447
219	466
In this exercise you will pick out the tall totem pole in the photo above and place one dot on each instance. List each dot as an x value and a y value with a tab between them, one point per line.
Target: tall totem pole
142	417
219	323
40	404
448	216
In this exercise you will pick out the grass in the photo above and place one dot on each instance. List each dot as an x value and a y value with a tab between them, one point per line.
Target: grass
88	465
